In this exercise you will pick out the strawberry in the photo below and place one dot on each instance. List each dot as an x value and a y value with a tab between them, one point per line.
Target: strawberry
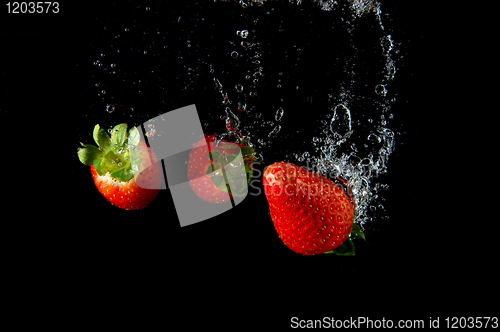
211	164
311	214
124	169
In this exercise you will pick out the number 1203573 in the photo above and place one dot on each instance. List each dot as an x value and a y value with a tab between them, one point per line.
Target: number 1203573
39	7
471	322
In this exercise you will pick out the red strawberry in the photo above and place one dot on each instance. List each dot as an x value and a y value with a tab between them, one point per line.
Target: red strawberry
125	171
311	213
210	164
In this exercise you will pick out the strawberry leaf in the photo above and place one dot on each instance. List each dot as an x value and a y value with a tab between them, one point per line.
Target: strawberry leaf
357	232
118	134
215	155
98	168
346	249
213	167
88	154
101	137
123	175
247	151
135	164
133	137
218	180
95	133
226	160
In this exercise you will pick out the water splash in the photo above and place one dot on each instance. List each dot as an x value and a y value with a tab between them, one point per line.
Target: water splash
353	140
354	127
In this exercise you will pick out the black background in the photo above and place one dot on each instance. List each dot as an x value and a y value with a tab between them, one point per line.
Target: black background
431	257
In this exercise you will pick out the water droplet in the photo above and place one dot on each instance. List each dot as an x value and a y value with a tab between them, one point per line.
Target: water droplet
232	121
151	130
218	84
341	125
274	132
374	138
242	107
383	121
391	69
110	108
242	33
279	114
387	44
381	90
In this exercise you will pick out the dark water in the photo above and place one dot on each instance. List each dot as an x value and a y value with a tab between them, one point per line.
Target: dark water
66	74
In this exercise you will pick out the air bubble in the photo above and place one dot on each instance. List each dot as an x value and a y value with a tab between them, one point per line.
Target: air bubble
151	130
387	44
391	69
242	33
274	132
381	90
374	138
110	108
341	125
232	121
234	54
218	84
279	114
